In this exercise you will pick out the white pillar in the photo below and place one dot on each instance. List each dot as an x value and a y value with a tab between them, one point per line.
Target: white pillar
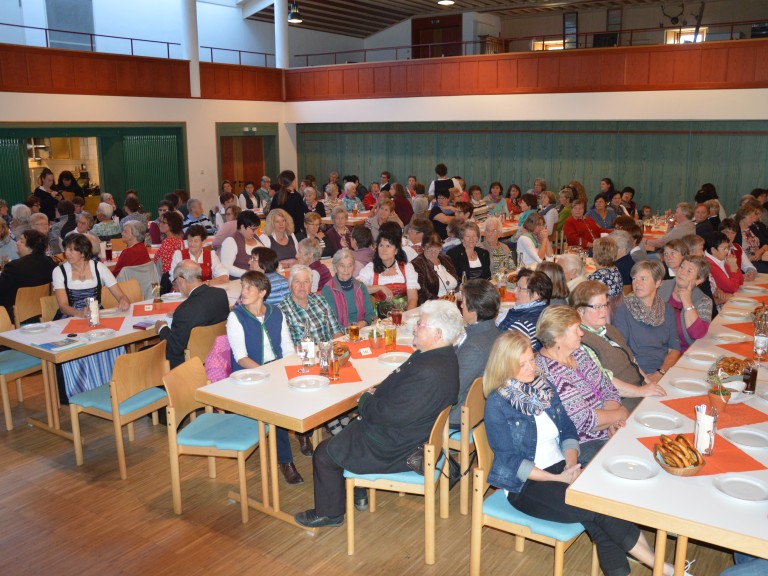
281	34
190	49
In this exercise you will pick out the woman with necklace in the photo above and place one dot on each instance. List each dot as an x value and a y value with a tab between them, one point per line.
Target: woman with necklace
534	245
437	275
347	296
339	235
313	204
390	276
468	258
278	235
501	255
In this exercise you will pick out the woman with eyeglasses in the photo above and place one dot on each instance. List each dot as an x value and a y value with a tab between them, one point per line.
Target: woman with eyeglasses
532	293
435	270
236	251
674	252
607	346
501	255
590	399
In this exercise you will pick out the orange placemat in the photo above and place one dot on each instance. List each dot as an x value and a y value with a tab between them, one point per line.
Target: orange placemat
734	415
747	328
509	296
745	349
726	458
80	325
355	347
347	375
762	299
163	308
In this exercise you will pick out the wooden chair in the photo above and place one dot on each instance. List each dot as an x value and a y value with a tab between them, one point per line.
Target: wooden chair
132	392
130	288
210	434
435	473
560	243
91	204
13	366
118	244
496	512
201	340
49	306
27	304
461	440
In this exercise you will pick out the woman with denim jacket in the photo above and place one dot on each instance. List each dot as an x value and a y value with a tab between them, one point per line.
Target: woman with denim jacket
536	450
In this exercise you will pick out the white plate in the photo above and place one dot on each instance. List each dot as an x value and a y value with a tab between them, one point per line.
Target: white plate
172	297
34	328
750	437
729	338
630	468
742	487
702	357
393	358
754	290
308	382
250	377
690	386
743	302
736	387
109	312
100	334
734	315
659	421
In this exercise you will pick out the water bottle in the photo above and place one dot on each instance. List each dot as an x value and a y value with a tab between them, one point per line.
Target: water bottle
308	346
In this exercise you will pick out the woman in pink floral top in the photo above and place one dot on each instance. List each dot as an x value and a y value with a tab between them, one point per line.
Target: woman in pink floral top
589	397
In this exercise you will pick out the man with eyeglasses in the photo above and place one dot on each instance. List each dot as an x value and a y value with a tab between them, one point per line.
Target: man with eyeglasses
204	306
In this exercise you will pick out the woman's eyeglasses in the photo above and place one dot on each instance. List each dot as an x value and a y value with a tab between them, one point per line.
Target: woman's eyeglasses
597	306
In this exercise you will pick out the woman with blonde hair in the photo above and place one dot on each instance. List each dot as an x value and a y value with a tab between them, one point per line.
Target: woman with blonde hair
278	235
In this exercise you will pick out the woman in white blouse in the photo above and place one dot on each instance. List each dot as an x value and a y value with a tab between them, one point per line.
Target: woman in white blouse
389	276
533	245
278	235
213	271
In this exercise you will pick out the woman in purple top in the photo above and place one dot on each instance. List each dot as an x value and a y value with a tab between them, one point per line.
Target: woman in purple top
589	397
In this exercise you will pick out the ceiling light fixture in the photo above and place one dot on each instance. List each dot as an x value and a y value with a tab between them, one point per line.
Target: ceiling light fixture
293	13
446	2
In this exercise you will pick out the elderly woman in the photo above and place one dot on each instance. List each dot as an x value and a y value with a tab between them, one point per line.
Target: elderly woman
135	252
501	255
264	260
20	219
532	293
78	279
528	204
331	199
346	296
309	255
468	258
574	269
607	346
84	224
236	251
647	323
385	212
674	252
314	206
403	408
533	246
133	212
278	235
213	271
228	228
258	334
436	273
105	228
338	235
692	308
548	211
479	207
753	245
589	397
731	229
362	246
350	199
725	274
480	306
32	268
389	277
580	230
8	249
605	252
417	230
537	451
555	273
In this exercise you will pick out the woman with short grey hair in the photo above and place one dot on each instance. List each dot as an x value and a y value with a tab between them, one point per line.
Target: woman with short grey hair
575	272
308	254
347	296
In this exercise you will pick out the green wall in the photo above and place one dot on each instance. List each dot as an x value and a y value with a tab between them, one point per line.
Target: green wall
665	162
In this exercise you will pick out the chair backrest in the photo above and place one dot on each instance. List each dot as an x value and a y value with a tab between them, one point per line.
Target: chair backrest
5	320
484	452
118	244
218	364
439	435
49	306
181	383
130	288
27	303
474	405
202	338
91	204
144	274
560	244
134	373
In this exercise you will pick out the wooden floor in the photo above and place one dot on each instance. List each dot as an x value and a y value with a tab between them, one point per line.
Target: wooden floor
56	518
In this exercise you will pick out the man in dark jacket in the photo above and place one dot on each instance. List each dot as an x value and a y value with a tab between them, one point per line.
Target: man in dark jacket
32	268
394	419
204	306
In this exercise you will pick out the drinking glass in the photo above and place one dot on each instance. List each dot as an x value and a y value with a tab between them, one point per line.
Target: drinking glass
304	355
390	339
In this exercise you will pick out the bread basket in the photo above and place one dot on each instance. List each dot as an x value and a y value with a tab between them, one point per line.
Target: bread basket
688	471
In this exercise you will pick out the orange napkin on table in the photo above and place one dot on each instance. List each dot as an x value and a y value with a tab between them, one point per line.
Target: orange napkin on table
747	328
355	347
347	375
734	415
726	457
762	299
509	296
80	325
745	349
164	308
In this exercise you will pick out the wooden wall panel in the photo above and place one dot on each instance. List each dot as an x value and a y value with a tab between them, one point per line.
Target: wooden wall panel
231	82
30	69
734	64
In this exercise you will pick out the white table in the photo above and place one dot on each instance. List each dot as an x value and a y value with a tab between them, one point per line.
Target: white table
690	507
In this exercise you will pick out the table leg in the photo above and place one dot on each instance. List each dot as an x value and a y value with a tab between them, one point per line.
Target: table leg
661	548
273	468
680	551
55	401
50	391
263	461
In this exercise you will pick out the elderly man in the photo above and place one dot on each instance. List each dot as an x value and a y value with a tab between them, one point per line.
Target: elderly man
265	192
196	215
303	306
684	225
204	306
395	417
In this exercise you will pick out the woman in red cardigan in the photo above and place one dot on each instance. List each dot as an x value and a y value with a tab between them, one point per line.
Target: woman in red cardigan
581	231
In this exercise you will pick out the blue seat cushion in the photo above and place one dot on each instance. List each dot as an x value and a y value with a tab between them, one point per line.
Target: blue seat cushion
221	431
13	361
456	435
98	398
499	507
404	477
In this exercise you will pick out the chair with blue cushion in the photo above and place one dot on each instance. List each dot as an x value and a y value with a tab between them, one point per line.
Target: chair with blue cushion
462	440
496	512
135	390
435	473
14	365
210	434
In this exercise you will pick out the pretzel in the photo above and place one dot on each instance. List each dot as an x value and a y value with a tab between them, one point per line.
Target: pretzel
730	366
